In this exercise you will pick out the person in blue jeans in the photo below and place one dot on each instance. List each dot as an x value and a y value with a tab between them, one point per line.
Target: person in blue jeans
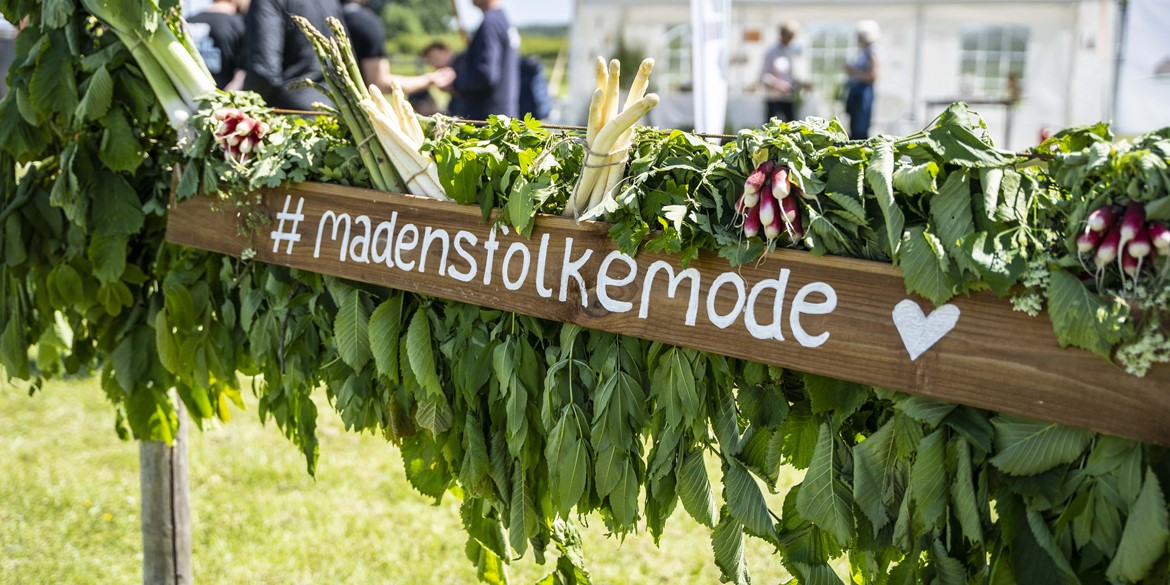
862	72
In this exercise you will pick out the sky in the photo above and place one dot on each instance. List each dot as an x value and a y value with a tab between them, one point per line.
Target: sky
522	12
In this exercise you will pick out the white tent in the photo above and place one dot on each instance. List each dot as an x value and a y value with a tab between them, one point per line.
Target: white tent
1059	56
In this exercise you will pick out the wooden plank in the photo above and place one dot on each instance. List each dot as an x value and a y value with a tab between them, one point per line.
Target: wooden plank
166	510
993	358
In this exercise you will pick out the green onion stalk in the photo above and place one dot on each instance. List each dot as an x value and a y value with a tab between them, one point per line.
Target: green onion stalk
173	68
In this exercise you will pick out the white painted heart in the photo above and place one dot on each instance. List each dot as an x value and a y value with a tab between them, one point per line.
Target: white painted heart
920	332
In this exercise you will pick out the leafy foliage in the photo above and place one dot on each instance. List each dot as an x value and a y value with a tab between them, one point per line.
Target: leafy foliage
533	422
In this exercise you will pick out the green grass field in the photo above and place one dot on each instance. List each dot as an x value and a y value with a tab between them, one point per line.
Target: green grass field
69	505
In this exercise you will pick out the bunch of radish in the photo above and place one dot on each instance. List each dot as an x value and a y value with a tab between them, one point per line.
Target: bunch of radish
768	204
1122	235
238	134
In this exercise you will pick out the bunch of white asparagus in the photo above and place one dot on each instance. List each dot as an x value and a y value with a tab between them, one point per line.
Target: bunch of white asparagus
608	135
400	134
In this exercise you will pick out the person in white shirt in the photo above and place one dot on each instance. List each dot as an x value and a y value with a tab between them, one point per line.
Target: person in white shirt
783	74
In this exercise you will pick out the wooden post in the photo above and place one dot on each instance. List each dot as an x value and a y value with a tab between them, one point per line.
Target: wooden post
166	513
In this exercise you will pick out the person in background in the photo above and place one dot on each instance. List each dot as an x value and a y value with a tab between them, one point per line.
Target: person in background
278	55
437	55
862	72
534	98
218	33
7	52
783	74
367	33
487	76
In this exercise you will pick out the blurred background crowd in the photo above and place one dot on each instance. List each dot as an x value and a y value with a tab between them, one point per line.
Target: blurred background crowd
883	66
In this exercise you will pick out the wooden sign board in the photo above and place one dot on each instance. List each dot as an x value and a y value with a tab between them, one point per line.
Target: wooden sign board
838	317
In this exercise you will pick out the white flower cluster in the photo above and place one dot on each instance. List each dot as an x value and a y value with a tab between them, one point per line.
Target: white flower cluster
1151	347
1036	281
1031	303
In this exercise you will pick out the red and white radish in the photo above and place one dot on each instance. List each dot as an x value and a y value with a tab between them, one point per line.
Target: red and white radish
1132	221
780	185
1107	251
768	210
1102	219
1139	246
774	229
751	222
1159	238
1129	264
788	209
1088	241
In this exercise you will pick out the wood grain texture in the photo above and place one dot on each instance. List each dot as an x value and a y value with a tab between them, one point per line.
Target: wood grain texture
994	358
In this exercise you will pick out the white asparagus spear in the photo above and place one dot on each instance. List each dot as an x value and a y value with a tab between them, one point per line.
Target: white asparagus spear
617	168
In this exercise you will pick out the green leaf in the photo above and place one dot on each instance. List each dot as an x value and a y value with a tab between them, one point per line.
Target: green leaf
188	182
420	354
14	348
964	499
1146	532
1048	544
56	13
674	382
608	468
151	416
434	414
823	498
999	263
991	180
694	489
800	433
727	543
880	176
426	469
838	397
851	209
925	266
1080	317
931	412
568	459
928	480
521	206
24	140
1027	447
522	522
116	208
385	329
949	571
120	150
351	330
108	256
746	502
950	211
1158	209
53	87
814	574
953	133
623	500
915	179
96	102
874	470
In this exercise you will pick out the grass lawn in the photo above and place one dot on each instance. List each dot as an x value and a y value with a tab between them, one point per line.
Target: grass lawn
69	505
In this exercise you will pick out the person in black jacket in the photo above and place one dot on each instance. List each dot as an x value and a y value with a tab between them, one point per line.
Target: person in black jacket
218	33
279	55
487	75
367	34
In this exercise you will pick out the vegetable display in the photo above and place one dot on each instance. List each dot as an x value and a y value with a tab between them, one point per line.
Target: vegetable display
533	424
